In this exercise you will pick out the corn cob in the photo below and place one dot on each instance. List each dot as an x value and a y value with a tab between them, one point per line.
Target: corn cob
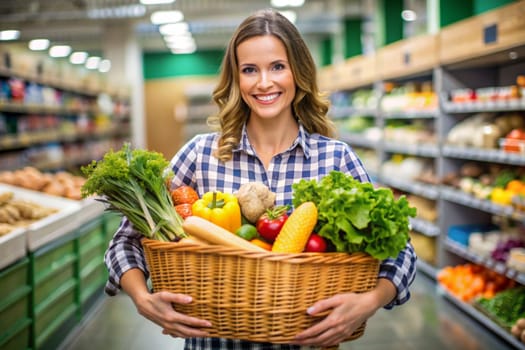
297	228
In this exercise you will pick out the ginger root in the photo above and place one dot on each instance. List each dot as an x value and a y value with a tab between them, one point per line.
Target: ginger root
254	198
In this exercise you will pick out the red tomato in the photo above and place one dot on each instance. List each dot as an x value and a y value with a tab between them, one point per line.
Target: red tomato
270	223
184	210
184	194
315	244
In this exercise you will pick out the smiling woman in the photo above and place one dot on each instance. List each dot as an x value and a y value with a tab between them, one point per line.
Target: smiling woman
272	128
268	88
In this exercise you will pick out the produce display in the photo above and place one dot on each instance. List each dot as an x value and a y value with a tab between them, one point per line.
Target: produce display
486	129
503	185
518	329
63	184
15	212
470	281
506	307
409	97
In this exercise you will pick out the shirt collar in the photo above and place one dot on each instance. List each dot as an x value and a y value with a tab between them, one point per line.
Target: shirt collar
300	141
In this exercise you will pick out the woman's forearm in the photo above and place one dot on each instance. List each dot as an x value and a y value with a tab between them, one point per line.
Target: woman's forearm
134	284
385	292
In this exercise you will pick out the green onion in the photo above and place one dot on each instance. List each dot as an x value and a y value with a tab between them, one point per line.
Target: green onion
134	184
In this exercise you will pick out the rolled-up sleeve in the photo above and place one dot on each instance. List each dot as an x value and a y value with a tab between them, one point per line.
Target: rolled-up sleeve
124	252
401	271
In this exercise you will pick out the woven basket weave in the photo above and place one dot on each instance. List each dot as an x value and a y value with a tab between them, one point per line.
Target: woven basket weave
255	296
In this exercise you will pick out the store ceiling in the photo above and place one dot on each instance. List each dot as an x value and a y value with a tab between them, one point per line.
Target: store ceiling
211	22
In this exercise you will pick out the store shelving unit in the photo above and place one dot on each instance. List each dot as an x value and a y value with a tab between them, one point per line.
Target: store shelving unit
199	107
490	53
56	122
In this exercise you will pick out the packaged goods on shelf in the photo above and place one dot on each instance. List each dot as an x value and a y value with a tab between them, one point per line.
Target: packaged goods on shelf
461	233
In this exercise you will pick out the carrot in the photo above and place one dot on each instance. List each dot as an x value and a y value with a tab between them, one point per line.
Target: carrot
204	230
296	229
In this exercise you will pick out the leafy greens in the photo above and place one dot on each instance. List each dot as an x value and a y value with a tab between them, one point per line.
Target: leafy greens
356	217
133	183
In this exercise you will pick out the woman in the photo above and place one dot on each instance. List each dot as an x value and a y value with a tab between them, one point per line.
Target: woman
273	128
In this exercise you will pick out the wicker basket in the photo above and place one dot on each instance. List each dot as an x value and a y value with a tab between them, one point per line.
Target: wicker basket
255	296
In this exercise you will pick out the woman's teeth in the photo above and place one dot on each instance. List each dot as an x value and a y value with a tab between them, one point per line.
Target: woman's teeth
267	98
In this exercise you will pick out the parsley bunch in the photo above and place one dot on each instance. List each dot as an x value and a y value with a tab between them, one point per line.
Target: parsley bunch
355	216
134	183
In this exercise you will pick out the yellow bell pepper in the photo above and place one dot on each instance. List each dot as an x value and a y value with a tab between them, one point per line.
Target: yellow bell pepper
501	196
220	208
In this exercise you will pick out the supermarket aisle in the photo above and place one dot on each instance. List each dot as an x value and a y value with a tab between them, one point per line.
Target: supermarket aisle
426	322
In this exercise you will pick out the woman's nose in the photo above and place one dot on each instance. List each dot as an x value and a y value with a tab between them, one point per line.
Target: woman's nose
264	81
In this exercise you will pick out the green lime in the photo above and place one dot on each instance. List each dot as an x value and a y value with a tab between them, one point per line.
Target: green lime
247	231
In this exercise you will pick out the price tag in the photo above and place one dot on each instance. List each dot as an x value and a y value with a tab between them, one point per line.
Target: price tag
490	34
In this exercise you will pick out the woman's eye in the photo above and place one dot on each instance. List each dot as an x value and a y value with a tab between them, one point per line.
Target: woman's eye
279	66
248	70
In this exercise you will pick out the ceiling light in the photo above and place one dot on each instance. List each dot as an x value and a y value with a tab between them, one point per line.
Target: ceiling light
92	62
78	57
295	3
163	17
9	34
104	66
183	36
289	3
60	51
187	50
124	11
181	43
291	15
174	28
408	15
38	44
156	2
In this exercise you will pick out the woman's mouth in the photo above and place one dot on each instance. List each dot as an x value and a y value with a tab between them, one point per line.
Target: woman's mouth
267	98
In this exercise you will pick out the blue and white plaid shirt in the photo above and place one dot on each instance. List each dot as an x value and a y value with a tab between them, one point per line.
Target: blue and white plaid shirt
310	157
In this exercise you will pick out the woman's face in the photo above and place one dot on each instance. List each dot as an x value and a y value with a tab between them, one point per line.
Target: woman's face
265	79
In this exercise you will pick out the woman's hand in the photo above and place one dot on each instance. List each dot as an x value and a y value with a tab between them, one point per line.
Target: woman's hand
160	307
157	307
348	312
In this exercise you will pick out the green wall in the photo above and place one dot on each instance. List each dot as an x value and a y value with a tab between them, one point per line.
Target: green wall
389	13
481	6
166	65
352	37
453	10
327	48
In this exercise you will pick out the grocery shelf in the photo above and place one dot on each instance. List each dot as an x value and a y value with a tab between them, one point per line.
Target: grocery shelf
425	227
359	140
481	318
485	106
457	196
421	150
410	114
340	112
484	155
427	268
492	264
422	189
434	86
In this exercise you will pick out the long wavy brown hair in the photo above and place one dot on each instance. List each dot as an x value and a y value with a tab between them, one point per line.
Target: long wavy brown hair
309	105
